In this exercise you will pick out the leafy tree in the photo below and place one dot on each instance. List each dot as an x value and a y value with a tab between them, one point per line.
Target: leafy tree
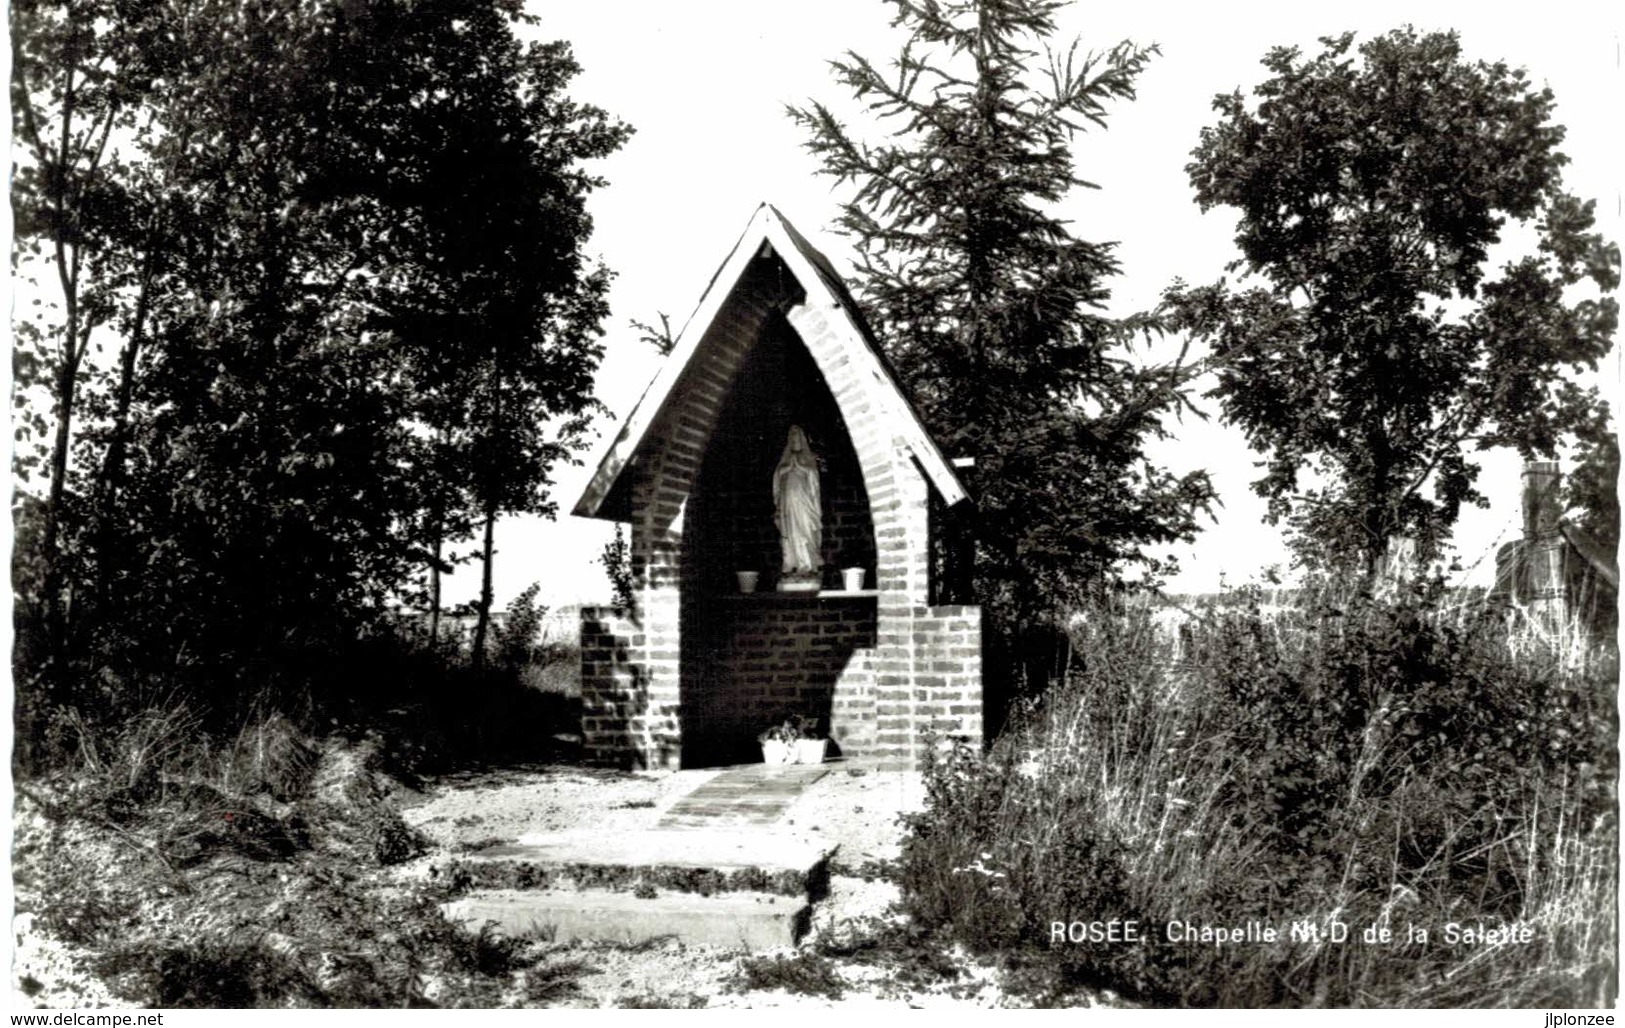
1377	349
509	314
78	78
1593	489
366	326
990	307
265	488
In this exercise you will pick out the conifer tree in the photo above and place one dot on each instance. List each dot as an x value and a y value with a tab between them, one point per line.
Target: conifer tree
992	309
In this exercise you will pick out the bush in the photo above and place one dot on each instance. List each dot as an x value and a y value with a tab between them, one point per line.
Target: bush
514	638
206	871
1369	760
209	974
434	707
806	974
616	557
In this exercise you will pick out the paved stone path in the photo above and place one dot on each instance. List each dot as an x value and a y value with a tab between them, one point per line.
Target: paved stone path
755	794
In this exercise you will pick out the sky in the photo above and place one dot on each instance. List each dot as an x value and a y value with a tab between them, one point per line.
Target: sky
706	84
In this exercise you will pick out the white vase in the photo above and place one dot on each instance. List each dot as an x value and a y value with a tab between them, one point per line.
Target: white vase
747	580
775	751
810	751
852	578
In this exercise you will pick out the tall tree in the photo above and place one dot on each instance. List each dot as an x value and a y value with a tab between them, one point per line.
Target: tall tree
990	307
78	79
367	324
510	329
1377	349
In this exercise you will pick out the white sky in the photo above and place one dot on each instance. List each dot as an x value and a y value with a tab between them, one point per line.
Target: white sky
705	85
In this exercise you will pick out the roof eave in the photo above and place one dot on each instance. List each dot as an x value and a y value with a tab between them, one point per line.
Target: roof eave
766	225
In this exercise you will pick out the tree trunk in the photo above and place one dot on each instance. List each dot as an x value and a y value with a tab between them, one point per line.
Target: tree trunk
67	380
1379	513
489	504
434	592
112	473
483	622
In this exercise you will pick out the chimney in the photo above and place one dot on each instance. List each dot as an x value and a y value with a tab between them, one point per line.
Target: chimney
1543	546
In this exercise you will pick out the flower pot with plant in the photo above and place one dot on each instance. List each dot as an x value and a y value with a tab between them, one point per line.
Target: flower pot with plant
793	740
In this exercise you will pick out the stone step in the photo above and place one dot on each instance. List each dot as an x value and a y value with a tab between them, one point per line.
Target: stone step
734	920
703	861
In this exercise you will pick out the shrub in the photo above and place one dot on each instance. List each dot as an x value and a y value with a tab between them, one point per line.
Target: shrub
616	557
514	638
208	861
208	974
805	973
1370	760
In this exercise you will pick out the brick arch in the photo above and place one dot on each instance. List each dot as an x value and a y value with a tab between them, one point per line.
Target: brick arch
744	662
919	671
686	425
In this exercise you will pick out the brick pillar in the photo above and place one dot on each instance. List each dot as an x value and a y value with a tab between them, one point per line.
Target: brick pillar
901	575
852	707
609	680
948	676
899	509
657	534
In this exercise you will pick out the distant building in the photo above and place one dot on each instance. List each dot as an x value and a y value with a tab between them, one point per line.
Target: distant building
1557	573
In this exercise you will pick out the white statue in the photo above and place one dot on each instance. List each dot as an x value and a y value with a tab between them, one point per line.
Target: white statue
796	506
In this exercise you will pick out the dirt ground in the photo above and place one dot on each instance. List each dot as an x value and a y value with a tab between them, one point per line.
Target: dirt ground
853	807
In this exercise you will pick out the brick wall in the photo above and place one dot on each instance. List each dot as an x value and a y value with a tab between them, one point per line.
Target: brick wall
948	673
622	722
769	655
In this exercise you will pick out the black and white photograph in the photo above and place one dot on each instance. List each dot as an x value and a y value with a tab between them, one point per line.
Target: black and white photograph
876	505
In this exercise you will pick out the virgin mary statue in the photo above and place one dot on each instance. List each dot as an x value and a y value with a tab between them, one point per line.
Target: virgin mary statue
796	506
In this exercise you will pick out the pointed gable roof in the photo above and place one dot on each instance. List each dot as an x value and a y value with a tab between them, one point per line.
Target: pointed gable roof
823	287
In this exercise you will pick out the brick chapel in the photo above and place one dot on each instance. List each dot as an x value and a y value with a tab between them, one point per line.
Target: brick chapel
722	640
